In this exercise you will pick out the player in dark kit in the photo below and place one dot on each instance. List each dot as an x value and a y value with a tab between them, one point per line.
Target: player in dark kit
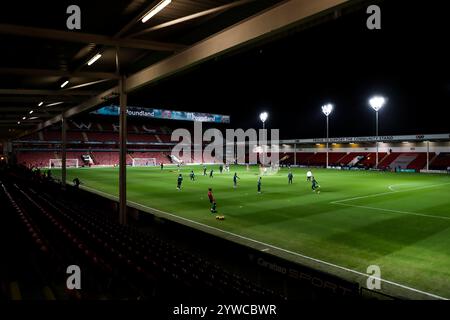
315	185
235	177
221	168
204	170
259	185
212	200
179	181
211	173
162	166
76	182
290	177
192	175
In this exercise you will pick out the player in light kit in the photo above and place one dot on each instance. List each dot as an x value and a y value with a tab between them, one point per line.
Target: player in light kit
309	175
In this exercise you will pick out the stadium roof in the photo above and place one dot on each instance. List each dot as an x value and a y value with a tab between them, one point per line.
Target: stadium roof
40	53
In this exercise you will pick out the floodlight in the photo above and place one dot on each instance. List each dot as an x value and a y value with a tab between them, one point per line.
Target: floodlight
155	10
55	104
93	59
377	102
65	83
327	109
263	116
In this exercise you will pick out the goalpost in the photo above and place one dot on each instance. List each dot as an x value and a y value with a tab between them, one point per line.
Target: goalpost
144	162
57	163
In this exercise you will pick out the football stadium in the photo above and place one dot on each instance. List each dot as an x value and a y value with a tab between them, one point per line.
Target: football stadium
200	151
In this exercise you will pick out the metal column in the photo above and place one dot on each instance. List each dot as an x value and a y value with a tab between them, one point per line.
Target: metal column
63	151
428	156
377	141
123	154
328	136
295	154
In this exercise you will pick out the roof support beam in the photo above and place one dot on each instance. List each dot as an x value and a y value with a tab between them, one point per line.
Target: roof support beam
31	101
86	38
192	17
57	73
263	25
33	92
268	23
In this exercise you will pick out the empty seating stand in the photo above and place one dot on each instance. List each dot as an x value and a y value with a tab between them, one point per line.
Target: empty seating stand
117	261
441	162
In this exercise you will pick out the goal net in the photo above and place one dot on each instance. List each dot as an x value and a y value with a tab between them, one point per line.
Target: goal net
144	162
57	163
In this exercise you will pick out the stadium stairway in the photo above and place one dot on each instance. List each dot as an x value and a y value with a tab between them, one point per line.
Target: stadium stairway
420	162
386	162
441	161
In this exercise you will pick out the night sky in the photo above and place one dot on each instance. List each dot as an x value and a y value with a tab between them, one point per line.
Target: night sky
341	62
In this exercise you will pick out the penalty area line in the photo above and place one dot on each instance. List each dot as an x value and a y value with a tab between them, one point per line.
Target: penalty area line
394	211
274	247
390	192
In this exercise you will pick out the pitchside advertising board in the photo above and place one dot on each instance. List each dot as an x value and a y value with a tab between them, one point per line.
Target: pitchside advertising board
114	110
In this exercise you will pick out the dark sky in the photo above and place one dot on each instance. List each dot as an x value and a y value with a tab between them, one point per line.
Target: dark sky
341	62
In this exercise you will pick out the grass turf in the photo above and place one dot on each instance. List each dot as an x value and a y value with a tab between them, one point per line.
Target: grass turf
400	222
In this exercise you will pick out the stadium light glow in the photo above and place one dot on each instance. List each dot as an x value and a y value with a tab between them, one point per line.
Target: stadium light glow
40	104
23	118
327	109
31	111
93	59
155	10
377	102
65	83
263	116
18	122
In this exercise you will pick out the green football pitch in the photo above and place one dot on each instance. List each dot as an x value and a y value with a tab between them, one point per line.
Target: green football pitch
399	222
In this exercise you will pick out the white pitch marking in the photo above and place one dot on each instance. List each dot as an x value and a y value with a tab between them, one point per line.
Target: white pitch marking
395	211
280	249
392	186
265	249
392	192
